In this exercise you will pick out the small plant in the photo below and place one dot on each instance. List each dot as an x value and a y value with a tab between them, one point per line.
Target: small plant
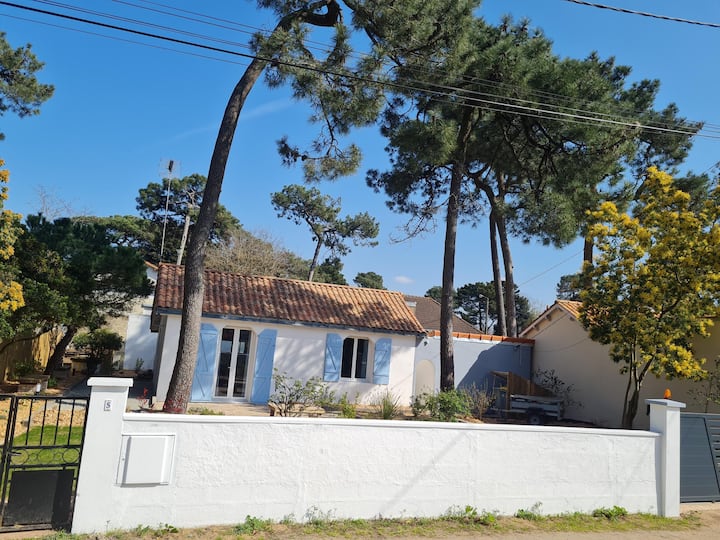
550	381
387	406
347	409
479	400
292	396
144	400
25	367
139	364
204	411
155	532
470	514
52	382
418	405
530	515
613	514
253	525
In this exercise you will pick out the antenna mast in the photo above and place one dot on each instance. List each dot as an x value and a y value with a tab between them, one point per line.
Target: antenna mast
166	172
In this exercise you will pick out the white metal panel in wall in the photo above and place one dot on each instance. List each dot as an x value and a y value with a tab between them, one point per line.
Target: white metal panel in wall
146	459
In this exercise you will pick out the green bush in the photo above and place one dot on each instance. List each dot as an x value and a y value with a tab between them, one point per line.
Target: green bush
26	366
292	396
347	409
445	406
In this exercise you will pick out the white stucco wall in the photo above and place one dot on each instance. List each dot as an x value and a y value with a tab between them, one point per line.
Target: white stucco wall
562	344
474	358
300	353
218	470
140	342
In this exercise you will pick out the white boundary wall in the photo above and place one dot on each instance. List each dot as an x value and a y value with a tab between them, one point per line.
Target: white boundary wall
150	469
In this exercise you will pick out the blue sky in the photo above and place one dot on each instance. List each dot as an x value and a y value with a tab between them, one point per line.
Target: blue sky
121	109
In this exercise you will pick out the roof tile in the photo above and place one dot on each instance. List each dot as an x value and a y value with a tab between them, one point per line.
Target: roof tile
289	300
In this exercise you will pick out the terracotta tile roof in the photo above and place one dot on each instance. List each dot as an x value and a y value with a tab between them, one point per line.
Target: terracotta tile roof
571	306
427	311
288	300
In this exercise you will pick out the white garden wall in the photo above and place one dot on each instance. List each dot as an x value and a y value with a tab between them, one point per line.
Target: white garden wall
149	469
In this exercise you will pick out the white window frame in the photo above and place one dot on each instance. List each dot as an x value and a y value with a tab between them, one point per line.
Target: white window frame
354	365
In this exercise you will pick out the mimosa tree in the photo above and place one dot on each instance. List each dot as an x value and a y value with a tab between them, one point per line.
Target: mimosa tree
653	286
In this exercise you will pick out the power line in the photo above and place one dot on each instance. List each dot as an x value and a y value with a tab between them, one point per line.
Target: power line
644	14
492	102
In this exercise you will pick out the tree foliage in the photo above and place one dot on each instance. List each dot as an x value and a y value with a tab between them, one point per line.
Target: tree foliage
655	284
330	271
255	254
370	280
167	214
477	304
11	292
320	213
77	277
20	91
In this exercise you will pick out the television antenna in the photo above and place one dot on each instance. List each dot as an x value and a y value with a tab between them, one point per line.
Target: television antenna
169	169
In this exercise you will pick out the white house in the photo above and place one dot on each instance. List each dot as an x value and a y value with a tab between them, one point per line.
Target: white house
563	345
360	341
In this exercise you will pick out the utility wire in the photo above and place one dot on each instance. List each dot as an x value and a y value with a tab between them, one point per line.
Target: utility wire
324	47
652	125
533	110
644	14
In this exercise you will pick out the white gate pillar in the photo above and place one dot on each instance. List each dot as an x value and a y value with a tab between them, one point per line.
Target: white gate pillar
665	420
101	450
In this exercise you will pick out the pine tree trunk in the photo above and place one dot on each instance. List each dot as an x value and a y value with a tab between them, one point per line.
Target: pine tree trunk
313	263
447	359
509	277
56	358
178	394
497	278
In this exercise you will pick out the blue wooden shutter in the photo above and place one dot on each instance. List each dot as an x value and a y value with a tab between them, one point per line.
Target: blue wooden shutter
381	365
202	387
333	355
263	366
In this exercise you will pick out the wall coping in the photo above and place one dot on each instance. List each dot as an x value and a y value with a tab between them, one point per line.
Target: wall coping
395	424
669	403
115	382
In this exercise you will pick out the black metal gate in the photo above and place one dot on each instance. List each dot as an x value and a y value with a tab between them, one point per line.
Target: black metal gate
699	457
40	460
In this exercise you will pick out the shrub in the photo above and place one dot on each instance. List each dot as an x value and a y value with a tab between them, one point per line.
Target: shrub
387	406
347	409
99	344
292	396
25	367
479	400
445	406
550	381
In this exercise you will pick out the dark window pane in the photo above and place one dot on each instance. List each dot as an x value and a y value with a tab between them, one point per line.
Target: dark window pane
347	357
228	335
241	365
362	356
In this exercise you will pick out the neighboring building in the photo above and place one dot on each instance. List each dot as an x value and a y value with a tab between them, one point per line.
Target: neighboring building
476	355
360	341
139	343
563	345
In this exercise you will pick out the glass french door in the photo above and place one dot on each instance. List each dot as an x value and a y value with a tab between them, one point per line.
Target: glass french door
231	381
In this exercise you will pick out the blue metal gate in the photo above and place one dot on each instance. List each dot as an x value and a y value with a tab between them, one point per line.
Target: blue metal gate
699	457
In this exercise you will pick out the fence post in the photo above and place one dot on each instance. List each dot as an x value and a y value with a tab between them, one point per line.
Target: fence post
101	451
665	420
